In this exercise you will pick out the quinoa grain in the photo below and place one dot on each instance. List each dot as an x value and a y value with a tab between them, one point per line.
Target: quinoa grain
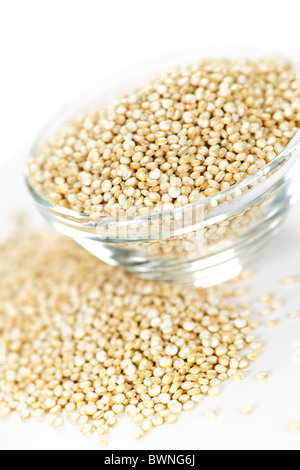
294	426
293	315
247	410
261	376
289	281
211	414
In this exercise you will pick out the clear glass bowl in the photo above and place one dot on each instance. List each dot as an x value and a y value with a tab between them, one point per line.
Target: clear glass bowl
201	244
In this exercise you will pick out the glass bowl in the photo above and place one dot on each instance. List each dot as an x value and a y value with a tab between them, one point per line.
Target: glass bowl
201	244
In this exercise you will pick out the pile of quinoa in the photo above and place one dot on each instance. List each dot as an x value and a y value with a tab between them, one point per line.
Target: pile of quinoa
82	338
183	137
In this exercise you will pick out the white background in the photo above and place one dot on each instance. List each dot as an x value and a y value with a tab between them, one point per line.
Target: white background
49	50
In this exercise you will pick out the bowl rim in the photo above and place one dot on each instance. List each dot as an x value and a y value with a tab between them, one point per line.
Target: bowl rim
232	199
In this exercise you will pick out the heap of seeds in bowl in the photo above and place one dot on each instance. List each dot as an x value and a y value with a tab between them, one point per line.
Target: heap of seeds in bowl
82	338
182	137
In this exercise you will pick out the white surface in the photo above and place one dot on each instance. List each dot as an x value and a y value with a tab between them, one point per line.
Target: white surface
52	49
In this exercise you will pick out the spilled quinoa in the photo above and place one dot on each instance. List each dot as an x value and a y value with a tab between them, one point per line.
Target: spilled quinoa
88	340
